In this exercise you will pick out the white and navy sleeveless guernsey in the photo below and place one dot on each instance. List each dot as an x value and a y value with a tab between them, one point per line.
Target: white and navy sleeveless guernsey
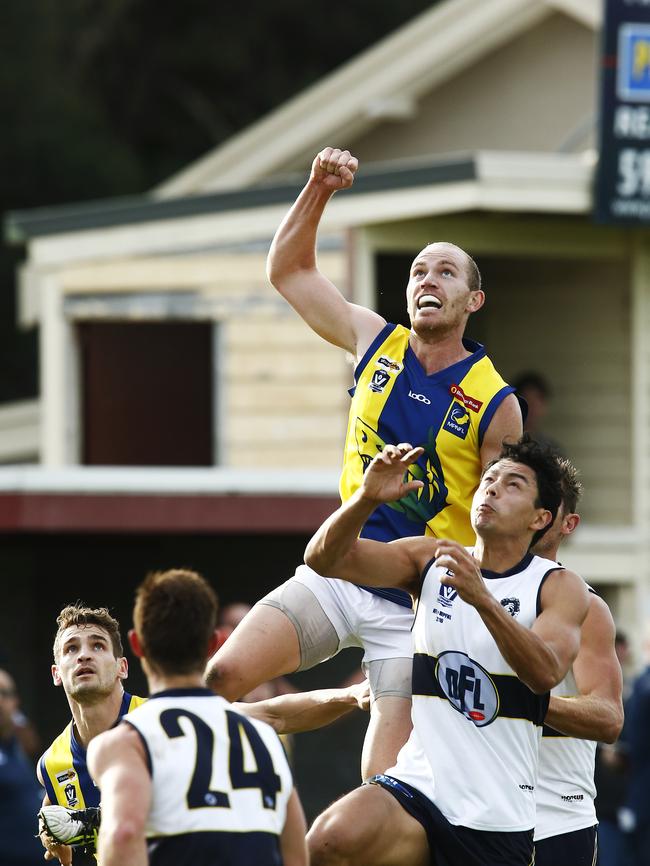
221	782
474	746
565	783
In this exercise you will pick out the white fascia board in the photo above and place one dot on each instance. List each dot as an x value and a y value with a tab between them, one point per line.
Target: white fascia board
166	480
412	61
506	181
537	182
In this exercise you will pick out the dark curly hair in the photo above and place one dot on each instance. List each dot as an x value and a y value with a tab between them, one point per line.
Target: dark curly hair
548	474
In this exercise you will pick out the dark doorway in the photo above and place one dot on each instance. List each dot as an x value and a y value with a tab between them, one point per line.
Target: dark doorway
147	393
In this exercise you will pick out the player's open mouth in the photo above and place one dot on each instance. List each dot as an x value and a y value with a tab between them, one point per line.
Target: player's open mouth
83	672
484	507
429	302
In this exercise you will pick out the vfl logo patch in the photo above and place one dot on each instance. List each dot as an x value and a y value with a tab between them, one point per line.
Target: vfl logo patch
468	687
71	795
457	421
380	379
65	776
512	605
447	594
389	364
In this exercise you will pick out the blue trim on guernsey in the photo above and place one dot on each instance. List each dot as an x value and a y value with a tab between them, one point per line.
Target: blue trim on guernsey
209	848
195	692
370	351
492	407
47	784
520	566
88	788
538	602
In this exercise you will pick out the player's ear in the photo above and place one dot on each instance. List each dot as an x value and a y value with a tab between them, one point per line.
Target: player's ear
570	523
56	676
543	517
134	643
476	301
217	640
123	668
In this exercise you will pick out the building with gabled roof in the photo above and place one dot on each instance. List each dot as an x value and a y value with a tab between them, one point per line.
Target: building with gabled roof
476	123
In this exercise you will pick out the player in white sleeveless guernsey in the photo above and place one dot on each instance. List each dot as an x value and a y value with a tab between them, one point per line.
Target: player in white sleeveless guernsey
586	706
186	780
495	629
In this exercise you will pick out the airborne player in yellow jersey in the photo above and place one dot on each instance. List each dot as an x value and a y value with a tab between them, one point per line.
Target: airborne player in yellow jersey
426	385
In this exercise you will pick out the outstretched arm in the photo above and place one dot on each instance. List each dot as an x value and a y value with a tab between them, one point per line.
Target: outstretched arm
292	267
117	762
337	551
596	712
306	711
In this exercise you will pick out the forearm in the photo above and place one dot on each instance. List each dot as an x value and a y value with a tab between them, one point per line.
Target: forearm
336	537
586	716
304	711
294	245
533	661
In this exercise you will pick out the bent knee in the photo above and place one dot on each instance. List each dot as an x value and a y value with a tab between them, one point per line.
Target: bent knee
224	678
335	840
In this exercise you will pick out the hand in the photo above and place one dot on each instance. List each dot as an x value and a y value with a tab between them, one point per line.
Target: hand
466	578
384	478
360	692
334	168
62	853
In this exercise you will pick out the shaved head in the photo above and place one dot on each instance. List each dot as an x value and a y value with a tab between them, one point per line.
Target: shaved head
471	268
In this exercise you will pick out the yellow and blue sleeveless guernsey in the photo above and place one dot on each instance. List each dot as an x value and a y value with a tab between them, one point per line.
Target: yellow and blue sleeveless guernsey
64	770
447	413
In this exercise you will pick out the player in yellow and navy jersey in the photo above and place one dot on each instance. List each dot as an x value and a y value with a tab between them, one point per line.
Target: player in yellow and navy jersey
89	664
426	385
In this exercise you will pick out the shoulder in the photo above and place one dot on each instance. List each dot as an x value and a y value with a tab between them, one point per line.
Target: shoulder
562	586
118	744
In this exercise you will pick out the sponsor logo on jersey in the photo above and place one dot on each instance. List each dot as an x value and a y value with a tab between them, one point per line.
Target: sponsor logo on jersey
512	605
470	402
380	379
457	420
468	687
527	787
420	397
71	795
572	798
389	363
65	775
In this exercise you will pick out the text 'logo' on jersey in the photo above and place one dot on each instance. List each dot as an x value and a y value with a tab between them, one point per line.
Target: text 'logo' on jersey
468	687
380	379
457	421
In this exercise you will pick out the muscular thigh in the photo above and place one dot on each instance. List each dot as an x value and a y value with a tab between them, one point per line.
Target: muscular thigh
367	827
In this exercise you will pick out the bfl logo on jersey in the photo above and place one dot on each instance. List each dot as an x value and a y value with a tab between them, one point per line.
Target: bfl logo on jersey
468	687
457	420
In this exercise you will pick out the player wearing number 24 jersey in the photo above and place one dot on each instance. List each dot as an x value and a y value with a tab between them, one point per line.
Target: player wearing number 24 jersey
185	779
